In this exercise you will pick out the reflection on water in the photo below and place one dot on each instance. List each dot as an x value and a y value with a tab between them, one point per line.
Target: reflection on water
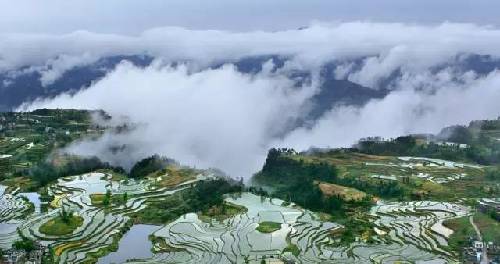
8	227
135	244
34	198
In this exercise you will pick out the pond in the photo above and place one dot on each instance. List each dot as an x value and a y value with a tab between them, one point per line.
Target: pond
135	244
34	198
8	227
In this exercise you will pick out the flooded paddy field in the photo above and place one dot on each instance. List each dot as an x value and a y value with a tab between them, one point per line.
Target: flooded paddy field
406	232
101	226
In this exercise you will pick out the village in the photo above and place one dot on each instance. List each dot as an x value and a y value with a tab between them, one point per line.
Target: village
34	255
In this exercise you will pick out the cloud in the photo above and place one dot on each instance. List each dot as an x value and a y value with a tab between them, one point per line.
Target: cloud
213	118
386	46
226	119
407	110
55	68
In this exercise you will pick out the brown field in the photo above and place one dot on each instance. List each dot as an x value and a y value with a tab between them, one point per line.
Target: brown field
346	193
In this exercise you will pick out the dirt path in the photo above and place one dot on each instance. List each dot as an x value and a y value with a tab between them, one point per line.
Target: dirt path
484	259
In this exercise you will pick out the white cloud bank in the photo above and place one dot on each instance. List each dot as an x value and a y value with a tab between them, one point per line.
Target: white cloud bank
214	118
222	118
405	111
389	45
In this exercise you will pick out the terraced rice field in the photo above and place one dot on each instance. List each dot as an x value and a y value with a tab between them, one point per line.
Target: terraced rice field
73	193
409	232
12	209
434	170
12	206
418	226
406	232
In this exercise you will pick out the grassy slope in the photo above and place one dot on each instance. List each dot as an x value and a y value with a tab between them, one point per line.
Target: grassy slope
57	227
353	165
221	213
268	227
97	199
462	230
173	175
489	227
348	194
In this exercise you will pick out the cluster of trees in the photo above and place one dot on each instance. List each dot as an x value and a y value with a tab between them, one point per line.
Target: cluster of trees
493	173
398	146
280	169
382	188
46	172
210	193
296	180
204	195
164	211
482	149
493	213
65	215
149	165
107	198
25	243
64	115
407	146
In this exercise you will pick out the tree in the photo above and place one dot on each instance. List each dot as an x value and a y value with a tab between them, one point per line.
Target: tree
24	244
46	172
149	165
65	215
493	173
107	198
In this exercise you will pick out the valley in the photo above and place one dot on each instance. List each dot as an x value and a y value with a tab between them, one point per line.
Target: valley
403	200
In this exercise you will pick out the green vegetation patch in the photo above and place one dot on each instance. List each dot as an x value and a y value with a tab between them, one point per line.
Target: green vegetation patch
59	226
97	198
116	175
23	184
107	199
161	245
292	248
149	165
25	243
159	212
222	212
268	227
205	198
173	175
382	176
32	136
462	230
489	227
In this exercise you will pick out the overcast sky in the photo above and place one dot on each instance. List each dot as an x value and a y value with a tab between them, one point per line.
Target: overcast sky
135	16
183	112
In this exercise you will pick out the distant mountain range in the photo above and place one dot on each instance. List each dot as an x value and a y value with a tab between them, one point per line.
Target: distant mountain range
26	85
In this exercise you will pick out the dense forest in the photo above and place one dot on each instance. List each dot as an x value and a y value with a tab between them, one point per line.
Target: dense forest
297	181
